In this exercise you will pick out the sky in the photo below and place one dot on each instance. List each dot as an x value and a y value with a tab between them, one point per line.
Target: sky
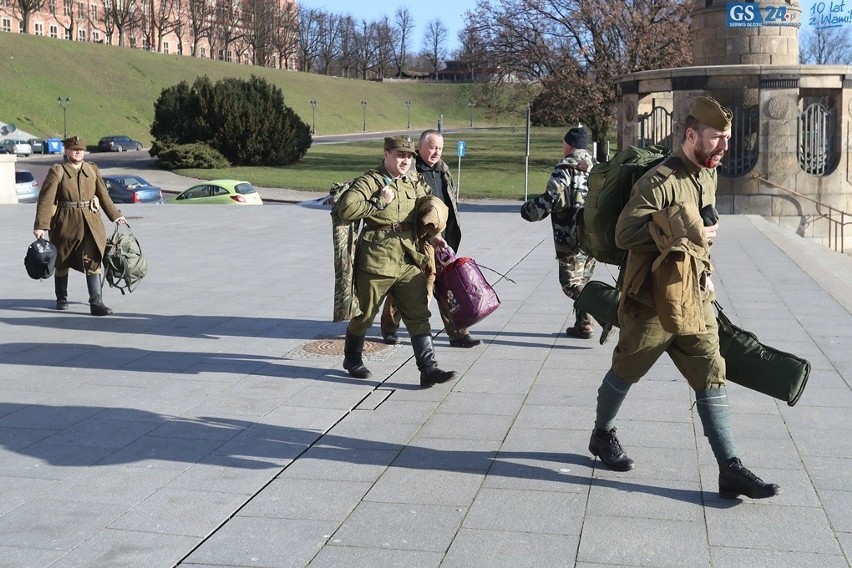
450	12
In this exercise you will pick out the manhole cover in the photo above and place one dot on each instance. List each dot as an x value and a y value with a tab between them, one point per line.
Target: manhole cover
333	347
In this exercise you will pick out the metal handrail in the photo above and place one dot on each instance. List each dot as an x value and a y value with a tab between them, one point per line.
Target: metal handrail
835	226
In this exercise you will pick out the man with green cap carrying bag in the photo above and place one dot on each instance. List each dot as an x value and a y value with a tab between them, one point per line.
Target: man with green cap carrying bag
388	259
664	215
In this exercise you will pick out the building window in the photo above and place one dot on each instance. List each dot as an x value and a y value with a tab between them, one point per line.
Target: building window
7	25
81	35
39	29
54	31
81	10
96	36
51	5
93	9
203	52
66	7
817	136
133	42
67	33
166	47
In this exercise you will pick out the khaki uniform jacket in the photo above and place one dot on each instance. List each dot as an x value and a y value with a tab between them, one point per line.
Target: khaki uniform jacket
385	253
68	225
674	180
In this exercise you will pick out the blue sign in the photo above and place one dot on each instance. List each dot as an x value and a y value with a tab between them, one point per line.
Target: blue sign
460	151
753	15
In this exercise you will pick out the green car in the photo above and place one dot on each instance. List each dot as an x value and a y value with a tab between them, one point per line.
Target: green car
221	191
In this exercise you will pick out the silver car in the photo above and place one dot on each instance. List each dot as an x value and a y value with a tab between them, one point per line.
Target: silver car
19	147
26	186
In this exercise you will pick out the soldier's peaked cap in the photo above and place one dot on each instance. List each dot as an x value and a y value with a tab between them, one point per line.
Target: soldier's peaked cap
708	111
401	143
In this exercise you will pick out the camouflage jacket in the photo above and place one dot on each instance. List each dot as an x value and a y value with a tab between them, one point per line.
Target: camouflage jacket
564	197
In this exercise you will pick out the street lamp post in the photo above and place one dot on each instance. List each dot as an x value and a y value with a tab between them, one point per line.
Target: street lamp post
364	106
408	104
313	117
64	106
471	105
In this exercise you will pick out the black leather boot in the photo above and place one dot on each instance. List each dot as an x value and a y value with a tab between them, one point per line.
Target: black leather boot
60	284
605	445
735	479
424	354
96	303
353	353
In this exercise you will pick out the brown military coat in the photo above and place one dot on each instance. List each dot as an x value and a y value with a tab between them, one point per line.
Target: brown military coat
69	225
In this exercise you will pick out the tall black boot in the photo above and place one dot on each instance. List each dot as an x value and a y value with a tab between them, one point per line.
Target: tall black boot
424	354
96	304
353	351
60	284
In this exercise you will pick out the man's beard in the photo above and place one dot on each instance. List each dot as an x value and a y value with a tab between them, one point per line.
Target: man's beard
707	159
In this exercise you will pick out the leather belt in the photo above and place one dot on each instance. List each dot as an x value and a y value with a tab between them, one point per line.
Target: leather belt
74	204
392	228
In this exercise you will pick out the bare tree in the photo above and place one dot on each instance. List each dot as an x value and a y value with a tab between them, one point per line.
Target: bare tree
577	48
68	10
825	46
403	28
258	21
309	37
160	20
227	28
26	8
348	47
329	42
200	12
472	54
384	47
286	34
434	45
123	15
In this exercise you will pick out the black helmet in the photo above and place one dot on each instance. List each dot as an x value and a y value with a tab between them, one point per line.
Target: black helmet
41	259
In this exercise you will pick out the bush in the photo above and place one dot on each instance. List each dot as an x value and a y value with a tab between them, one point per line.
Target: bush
196	155
246	121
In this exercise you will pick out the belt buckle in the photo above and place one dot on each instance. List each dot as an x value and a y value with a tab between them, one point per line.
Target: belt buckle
396	227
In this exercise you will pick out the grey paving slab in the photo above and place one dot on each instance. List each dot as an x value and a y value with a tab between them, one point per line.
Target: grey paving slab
192	430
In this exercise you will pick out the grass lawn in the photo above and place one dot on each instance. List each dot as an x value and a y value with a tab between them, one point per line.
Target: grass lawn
494	165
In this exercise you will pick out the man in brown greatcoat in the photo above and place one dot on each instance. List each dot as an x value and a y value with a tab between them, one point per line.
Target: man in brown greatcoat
69	206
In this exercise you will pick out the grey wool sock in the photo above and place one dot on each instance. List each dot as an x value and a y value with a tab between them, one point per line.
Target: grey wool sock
611	394
713	412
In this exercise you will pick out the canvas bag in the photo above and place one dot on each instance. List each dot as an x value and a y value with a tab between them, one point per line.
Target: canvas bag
124	264
759	367
462	290
610	184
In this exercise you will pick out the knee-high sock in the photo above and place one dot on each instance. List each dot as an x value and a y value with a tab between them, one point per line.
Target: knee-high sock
713	411
611	394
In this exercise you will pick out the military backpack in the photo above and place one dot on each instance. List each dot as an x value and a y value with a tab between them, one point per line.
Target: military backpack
124	265
610	184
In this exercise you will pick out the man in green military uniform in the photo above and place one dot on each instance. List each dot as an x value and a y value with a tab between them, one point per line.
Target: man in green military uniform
672	198
69	205
388	260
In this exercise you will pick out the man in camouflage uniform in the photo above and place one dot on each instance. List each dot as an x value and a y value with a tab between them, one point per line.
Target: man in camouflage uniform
674	194
388	260
562	200
69	206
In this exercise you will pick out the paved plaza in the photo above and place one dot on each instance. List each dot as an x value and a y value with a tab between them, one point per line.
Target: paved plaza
209	422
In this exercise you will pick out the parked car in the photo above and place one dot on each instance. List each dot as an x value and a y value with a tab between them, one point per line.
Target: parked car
26	186
118	144
38	145
223	191
18	147
132	189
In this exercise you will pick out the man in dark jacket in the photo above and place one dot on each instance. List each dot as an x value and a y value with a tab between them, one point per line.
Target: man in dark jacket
436	173
69	206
